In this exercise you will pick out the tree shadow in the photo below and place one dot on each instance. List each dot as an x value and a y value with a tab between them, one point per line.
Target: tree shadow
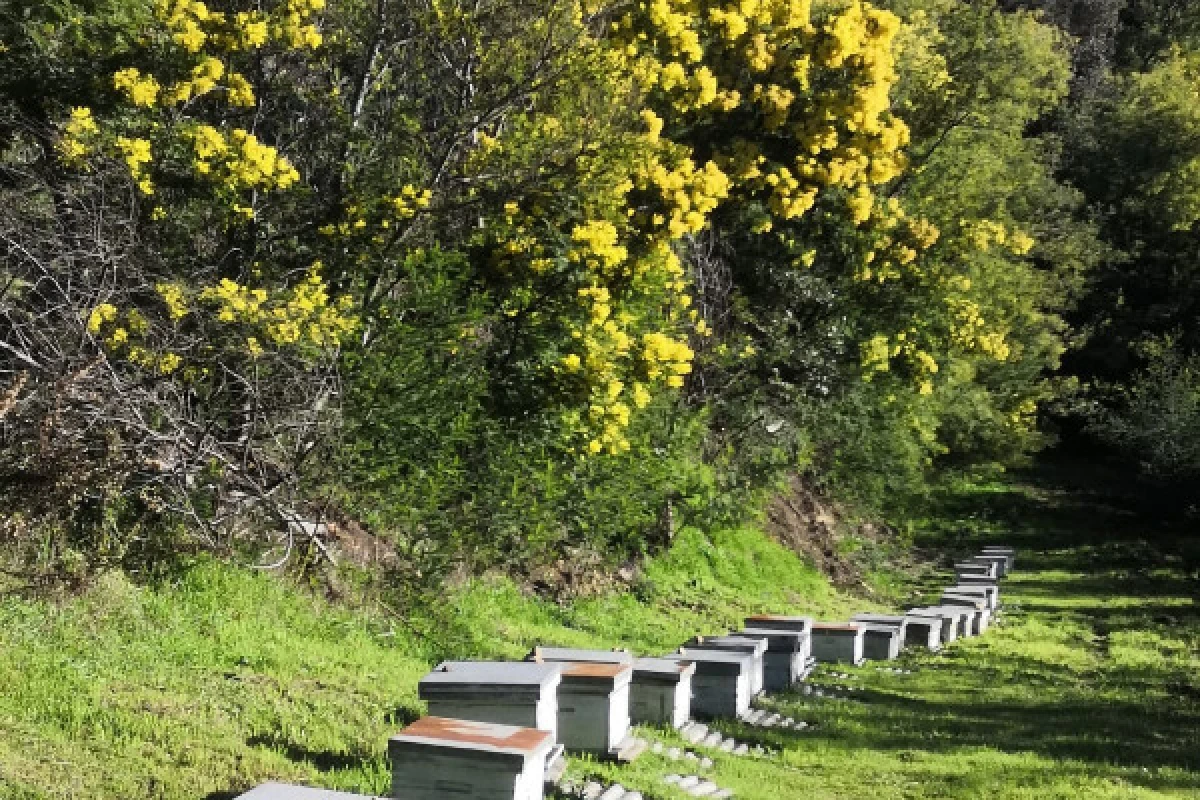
320	760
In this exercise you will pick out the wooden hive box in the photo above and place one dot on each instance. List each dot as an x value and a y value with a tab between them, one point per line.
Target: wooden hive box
755	646
989	593
721	685
286	791
788	657
508	693
661	693
437	758
1001	562
897	621
982	615
593	707
838	642
881	642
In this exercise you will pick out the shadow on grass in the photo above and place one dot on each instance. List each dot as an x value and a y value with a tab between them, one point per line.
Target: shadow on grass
320	760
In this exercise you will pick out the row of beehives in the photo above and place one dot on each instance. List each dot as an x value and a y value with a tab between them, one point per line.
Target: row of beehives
498	730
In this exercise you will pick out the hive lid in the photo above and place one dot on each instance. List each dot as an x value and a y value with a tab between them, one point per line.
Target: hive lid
663	667
556	654
837	627
597	673
997	548
708	662
749	644
968	601
493	673
286	791
486	737
964	588
778	640
880	619
774	620
888	630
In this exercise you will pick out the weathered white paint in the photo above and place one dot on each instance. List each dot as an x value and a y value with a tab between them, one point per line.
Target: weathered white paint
788	656
721	685
838	642
881	642
661	692
593	706
755	646
508	693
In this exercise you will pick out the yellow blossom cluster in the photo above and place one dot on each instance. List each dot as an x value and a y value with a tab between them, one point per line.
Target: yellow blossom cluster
124	335
191	25
78	133
136	153
969	331
239	160
304	315
141	90
877	353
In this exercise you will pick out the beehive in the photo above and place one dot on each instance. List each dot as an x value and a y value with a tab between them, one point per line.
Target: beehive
503	692
435	758
881	642
756	647
981	615
838	642
593	707
950	621
977	570
661	693
788	658
721	684
1008	552
899	622
1001	562
989	593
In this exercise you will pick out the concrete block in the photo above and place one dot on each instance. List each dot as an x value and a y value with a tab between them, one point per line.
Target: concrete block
435	758
661	692
721	685
593	706
286	791
838	642
507	693
755	646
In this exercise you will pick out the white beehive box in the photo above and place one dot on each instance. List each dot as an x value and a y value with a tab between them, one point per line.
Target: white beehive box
976	570
962	616
923	630
881	642
721	685
593	707
755	646
286	791
897	621
1001	562
989	593
1008	552
504	692
661	693
982	616
950	621
788	657
838	642
436	758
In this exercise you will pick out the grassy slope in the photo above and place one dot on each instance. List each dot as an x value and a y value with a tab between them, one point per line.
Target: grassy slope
197	690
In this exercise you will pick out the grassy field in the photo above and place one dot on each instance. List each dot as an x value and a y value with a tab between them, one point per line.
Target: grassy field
1089	689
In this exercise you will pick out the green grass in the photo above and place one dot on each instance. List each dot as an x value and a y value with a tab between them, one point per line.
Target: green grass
199	689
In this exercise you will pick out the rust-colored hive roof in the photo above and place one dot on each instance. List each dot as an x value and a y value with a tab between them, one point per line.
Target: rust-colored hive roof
486	735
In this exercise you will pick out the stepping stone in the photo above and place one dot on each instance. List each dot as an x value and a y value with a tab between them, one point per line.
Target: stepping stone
633	796
703	789
657	747
614	792
741	749
724	793
591	791
674	754
728	745
772	720
673	779
694	732
687	783
706	763
712	740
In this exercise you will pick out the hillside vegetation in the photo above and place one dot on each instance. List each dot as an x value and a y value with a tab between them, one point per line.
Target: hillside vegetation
221	678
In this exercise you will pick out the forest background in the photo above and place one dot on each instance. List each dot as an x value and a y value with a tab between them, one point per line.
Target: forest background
497	284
